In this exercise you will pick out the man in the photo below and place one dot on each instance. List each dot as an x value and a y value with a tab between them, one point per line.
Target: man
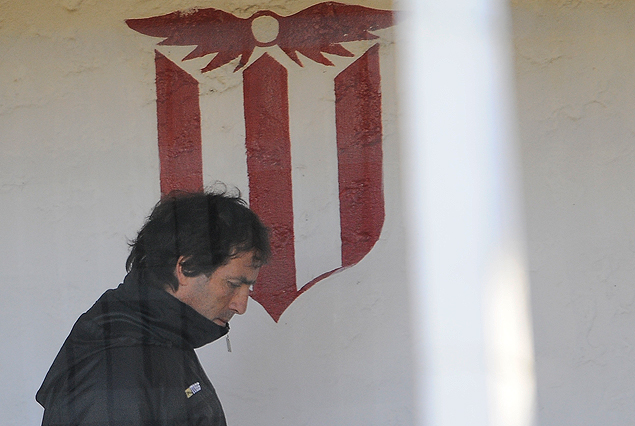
130	360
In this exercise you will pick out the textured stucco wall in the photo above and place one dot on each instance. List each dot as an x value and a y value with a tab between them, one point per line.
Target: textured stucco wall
575	63
79	171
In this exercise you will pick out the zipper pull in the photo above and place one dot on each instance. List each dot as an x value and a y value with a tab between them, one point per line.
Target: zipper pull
229	344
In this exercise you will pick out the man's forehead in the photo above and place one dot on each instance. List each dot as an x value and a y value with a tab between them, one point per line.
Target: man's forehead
245	264
252	258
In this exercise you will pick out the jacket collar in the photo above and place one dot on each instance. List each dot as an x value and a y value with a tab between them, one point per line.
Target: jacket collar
165	316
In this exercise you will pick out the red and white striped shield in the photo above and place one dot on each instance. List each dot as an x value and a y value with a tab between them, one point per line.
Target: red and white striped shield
308	142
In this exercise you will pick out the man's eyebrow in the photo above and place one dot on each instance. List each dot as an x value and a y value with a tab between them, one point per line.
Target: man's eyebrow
243	280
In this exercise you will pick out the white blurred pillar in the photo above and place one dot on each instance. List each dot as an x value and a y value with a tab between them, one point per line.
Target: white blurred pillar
470	301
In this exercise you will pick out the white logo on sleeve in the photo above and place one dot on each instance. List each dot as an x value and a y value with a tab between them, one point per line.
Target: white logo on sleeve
192	389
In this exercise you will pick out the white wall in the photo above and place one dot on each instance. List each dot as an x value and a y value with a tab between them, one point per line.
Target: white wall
575	64
79	171
78	174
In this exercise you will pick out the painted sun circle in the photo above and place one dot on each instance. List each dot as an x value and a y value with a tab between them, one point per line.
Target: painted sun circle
265	29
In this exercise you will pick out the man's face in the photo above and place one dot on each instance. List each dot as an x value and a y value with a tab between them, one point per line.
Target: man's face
224	293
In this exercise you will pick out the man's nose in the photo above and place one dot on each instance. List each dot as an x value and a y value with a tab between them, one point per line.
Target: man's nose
240	299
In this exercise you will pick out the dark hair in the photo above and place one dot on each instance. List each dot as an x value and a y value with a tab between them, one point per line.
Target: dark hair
206	228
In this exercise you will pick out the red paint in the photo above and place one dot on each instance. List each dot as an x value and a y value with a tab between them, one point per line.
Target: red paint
359	152
319	29
269	167
179	128
211	30
312	32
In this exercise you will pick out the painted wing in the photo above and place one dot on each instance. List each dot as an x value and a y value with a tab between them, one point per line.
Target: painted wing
319	29
210	30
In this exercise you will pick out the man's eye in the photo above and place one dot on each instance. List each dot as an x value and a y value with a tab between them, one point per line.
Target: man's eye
234	285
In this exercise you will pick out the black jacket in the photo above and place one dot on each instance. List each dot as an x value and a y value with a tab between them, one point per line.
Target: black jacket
130	360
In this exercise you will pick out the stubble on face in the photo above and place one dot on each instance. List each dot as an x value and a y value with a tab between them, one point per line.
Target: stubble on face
224	293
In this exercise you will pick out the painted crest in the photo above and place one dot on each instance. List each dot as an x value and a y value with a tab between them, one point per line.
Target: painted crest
311	136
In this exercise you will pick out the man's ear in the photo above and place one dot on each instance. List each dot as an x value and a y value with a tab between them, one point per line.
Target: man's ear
178	272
